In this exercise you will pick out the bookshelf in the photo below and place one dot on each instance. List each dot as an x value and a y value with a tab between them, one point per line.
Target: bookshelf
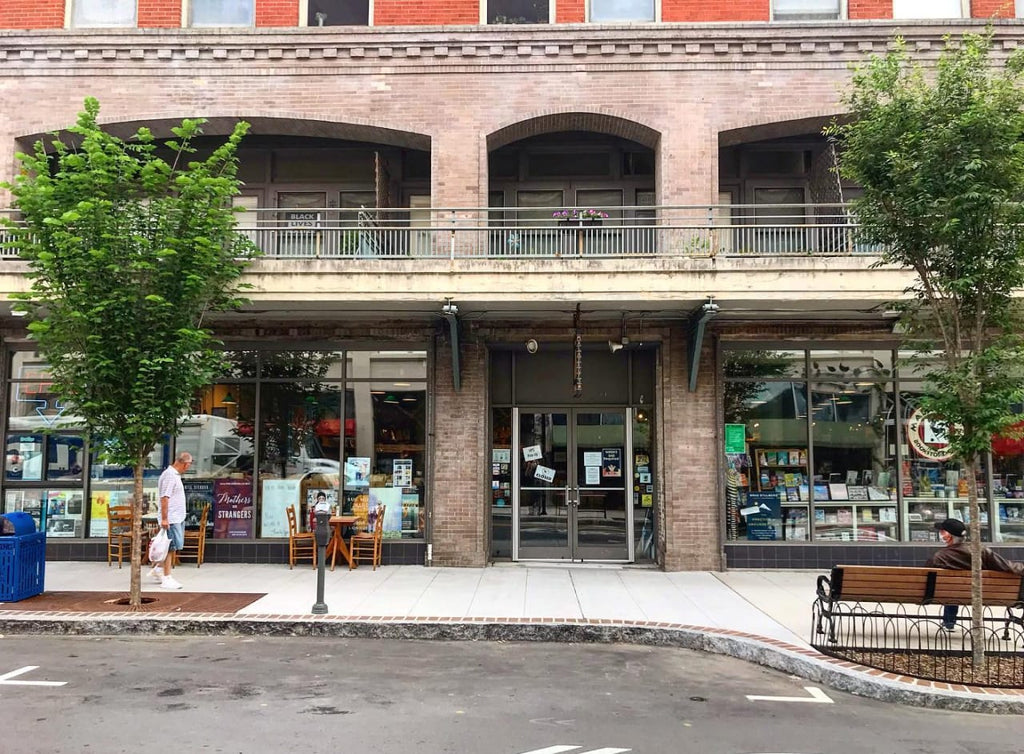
855	522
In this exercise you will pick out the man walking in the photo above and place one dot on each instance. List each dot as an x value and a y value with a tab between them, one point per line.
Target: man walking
956	555
171	512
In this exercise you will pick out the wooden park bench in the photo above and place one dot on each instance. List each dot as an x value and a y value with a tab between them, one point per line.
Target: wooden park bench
850	587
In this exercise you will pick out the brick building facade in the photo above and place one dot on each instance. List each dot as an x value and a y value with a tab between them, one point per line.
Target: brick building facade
402	176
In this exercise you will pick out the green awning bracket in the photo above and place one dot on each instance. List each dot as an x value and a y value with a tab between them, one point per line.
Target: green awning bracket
695	337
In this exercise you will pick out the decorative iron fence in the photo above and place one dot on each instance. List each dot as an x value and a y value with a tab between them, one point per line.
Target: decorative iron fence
517	232
909	640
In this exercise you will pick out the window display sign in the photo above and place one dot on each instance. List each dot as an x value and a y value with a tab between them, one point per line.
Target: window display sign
198	493
501	455
544	473
928	440
763	513
611	462
735	438
277	495
357	472
233	515
401	472
532	453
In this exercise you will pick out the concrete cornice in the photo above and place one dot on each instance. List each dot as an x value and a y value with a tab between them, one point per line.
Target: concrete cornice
302	49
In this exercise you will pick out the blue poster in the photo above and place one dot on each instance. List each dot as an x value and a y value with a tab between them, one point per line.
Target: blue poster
763	513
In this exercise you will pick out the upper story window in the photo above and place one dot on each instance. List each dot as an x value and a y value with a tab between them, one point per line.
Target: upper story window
621	10
929	9
806	10
518	12
338	13
222	12
85	13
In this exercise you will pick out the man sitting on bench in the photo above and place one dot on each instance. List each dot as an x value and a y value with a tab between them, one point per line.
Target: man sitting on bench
956	555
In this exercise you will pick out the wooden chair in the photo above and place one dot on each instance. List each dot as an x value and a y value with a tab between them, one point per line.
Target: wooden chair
301	544
195	540
368	544
119	533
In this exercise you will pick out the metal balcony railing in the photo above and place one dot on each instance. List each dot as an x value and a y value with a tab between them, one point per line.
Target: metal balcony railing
536	233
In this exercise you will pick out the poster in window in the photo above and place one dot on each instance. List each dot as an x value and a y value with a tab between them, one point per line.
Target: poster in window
357	472
233	514
544	473
532	453
277	495
611	462
401	472
198	493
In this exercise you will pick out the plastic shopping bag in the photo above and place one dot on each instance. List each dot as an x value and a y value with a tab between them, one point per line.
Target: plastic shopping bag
158	547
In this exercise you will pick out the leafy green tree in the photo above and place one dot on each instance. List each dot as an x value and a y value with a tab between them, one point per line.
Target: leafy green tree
940	156
128	255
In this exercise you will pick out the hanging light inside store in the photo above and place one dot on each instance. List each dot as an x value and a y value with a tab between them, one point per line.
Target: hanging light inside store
228	399
389	398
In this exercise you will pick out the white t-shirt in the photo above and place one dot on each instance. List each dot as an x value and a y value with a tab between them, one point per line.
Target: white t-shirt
172	488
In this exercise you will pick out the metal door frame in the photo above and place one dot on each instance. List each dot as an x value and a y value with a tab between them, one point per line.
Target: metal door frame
573	489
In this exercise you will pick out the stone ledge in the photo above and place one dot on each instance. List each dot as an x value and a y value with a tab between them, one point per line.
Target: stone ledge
773	653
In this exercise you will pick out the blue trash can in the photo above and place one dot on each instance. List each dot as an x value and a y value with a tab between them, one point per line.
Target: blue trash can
22	559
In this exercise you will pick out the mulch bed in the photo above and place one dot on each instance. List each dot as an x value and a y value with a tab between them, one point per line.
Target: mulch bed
1001	671
160	601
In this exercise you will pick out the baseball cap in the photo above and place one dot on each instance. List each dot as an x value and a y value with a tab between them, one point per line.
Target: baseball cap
954	527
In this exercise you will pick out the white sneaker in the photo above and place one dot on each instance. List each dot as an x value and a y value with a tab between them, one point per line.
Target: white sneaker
156	574
169	582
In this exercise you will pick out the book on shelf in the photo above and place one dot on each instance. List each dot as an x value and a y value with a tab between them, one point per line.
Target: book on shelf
858	492
821	492
773	458
866	514
875	493
888	515
803	492
819	515
792	495
852	477
831	517
844	516
838	492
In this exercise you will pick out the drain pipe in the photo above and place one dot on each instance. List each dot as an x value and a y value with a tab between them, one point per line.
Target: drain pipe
451	313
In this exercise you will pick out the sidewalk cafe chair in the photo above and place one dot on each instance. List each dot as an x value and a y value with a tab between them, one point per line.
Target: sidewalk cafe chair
301	544
368	544
119	533
195	540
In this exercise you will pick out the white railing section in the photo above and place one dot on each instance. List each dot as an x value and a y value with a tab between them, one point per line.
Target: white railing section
517	232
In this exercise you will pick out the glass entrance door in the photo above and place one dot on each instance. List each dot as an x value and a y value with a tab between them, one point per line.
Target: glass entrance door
572	485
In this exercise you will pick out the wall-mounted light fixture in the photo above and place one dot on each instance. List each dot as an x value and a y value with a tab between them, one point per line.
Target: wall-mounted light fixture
228	399
532	346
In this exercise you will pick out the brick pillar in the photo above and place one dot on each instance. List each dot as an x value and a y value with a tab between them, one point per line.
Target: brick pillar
687	161
458	166
458	491
691	510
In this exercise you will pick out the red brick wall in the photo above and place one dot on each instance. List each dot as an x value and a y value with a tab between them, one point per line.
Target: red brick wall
859	9
277	12
31	14
992	8
715	10
425	12
159	14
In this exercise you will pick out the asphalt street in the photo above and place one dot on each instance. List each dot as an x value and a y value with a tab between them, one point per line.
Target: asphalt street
245	694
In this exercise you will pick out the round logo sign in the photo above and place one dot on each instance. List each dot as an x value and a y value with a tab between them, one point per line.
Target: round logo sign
928	440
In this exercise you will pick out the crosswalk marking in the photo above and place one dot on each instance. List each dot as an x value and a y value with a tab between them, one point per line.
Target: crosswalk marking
562	748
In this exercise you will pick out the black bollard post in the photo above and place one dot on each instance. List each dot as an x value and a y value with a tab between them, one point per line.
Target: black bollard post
323	534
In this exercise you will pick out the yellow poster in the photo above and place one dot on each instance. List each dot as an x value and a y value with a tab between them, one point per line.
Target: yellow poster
646	501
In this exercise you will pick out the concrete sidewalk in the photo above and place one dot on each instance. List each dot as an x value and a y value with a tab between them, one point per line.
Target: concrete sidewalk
761	616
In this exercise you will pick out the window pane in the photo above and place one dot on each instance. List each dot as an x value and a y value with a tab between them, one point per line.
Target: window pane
767	486
1008	484
501	483
103	13
338	13
796	10
926	9
754	363
222	12
854	462
112	485
517	11
622	10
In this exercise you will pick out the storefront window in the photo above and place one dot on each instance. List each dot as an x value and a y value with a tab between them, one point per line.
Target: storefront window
853	466
113	484
385	440
501	483
643	486
1008	483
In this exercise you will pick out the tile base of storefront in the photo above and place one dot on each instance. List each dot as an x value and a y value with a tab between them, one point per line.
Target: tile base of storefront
412	552
823	557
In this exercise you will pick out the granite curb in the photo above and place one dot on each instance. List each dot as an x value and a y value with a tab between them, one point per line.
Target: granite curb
778	655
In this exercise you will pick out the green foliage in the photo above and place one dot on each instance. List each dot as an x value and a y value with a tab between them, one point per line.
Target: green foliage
940	157
128	255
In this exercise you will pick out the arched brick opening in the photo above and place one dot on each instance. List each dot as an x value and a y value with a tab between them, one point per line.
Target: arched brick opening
603	123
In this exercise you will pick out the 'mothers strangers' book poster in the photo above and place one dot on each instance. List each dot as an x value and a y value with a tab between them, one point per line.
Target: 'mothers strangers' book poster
233	508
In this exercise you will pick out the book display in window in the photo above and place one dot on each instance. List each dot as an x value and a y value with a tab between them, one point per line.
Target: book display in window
784	470
855	522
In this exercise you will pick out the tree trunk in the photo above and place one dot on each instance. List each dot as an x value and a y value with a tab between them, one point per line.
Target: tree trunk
135	593
977	601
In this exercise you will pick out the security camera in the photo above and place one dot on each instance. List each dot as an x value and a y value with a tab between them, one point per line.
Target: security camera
531	346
